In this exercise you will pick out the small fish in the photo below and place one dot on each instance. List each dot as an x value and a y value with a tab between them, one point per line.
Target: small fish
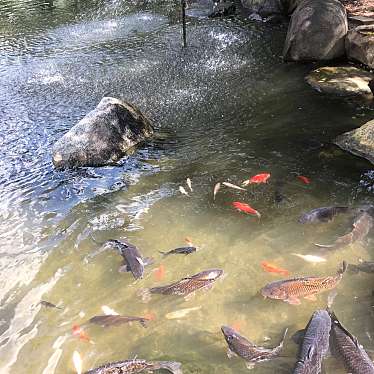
150	315
243	207
271	268
181	312
136	366
115	320
188	240
48	304
364	266
216	189
305	180
324	214
77	361
361	227
290	290
109	311
230	185
181	250
160	272
187	285
314	344
247	350
79	332
310	258
133	259
189	184
346	348
183	191
257	179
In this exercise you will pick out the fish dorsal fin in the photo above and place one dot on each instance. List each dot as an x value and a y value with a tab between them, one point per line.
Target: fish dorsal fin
310	352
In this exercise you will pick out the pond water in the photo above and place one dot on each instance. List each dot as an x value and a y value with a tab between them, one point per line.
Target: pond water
225	108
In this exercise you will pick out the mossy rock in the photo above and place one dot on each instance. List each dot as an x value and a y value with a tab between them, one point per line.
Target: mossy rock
360	141
341	80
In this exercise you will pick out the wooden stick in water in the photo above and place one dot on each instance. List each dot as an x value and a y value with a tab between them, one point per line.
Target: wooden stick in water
184	23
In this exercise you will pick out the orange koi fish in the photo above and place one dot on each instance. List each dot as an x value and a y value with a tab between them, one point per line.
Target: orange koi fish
160	273
257	179
243	207
271	268
305	180
78	331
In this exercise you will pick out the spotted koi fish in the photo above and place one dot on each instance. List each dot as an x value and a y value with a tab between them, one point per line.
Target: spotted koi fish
187	285
291	290
136	366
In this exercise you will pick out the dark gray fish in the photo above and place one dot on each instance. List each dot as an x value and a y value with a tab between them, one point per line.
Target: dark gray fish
136	366
361	227
115	320
48	304
365	267
346	347
279	196
323	214
133	260
182	250
314	345
188	285
247	350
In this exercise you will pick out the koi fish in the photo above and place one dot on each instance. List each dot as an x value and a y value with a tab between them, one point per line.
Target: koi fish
323	214
114	320
243	207
251	353
188	240
181	313
183	191
77	361
305	180
216	189
181	250
48	304
271	268
78	331
310	258
230	185
257	179
290	290
189	184
136	366
160	272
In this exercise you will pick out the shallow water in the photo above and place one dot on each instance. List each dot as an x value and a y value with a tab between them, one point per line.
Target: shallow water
225	108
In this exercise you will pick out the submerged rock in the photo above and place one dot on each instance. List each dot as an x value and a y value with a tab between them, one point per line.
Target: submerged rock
317	31
341	80
359	44
102	136
360	141
264	7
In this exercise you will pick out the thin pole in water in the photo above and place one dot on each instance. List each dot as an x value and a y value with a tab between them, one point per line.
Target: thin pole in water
184	23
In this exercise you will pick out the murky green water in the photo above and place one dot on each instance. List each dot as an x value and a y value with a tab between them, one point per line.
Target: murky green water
225	109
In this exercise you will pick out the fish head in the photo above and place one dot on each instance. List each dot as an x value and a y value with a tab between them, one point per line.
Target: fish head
210	274
304	218
233	338
274	291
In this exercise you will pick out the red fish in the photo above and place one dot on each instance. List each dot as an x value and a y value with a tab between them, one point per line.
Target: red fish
271	268
305	180
150	315
78	331
257	179
188	240
243	207
160	273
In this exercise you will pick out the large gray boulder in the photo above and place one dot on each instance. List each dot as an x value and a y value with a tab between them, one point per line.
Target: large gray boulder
317	31
359	44
102	136
359	142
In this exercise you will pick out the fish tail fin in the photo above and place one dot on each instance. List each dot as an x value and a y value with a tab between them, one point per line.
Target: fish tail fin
172	366
324	245
145	294
284	337
163	253
343	268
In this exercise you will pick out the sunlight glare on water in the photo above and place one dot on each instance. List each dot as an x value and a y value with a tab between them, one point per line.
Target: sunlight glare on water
225	108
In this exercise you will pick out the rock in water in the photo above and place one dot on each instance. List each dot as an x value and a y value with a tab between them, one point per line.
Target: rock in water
317	31
359	44
360	141
341	80
264	7
102	136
